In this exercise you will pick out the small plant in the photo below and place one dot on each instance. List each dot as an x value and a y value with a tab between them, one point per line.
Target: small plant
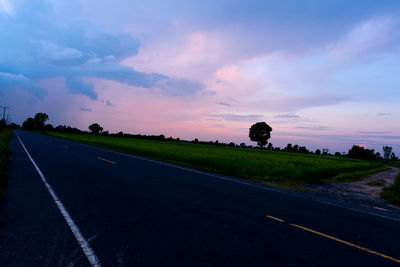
392	193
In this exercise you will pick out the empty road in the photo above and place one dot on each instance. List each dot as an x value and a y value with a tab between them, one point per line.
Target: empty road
69	204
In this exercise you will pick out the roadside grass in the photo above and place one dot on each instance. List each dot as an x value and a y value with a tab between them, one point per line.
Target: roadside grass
273	167
5	136
392	193
395	164
357	175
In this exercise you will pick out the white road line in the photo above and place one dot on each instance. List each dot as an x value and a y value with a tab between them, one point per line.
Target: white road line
106	160
87	250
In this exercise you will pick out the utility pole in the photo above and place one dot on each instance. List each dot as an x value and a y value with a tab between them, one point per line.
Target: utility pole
4	112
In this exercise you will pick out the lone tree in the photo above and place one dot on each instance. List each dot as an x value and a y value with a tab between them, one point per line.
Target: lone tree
95	128
260	132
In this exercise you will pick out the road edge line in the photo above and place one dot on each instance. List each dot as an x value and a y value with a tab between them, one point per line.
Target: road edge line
83	243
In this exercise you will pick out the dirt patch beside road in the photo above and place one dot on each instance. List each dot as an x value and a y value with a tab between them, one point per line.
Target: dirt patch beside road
365	193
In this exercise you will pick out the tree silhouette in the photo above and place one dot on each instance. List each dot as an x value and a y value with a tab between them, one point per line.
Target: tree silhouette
288	148
270	146
95	128
260	132
28	124
387	152
40	119
304	150
359	152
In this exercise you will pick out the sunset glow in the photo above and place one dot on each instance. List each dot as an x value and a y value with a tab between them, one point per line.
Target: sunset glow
322	76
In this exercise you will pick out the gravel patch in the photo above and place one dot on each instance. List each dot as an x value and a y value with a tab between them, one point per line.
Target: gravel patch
364	193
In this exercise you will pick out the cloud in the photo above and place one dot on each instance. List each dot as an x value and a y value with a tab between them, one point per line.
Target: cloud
35	46
287	116
384	114
77	86
237	117
86	109
395	137
209	93
10	80
108	103
53	52
374	132
350	138
343	70
293	103
223	104
371	35
313	127
179	87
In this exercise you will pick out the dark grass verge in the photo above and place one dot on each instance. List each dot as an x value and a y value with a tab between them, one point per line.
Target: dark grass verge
392	193
5	137
271	167
356	176
395	164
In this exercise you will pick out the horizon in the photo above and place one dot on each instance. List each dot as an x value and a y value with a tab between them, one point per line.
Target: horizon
322	76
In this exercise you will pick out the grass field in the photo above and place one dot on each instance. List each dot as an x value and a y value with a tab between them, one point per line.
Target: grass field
263	166
5	136
392	193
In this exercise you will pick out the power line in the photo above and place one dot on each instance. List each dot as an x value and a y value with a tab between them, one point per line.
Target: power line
4	112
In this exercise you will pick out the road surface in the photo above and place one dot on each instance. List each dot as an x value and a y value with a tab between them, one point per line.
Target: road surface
69	204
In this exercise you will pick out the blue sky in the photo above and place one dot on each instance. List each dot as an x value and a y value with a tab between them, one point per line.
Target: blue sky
321	73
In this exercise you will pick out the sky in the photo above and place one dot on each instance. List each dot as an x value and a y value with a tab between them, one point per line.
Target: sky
323	74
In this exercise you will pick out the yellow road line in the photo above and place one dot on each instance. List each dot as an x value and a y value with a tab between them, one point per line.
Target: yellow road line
274	218
106	160
337	240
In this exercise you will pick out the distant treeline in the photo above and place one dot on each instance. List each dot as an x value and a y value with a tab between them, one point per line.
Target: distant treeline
357	152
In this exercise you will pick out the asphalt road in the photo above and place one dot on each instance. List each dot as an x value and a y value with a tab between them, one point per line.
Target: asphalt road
131	211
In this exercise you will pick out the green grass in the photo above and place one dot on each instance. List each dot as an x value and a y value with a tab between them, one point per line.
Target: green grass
392	193
262	166
5	136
